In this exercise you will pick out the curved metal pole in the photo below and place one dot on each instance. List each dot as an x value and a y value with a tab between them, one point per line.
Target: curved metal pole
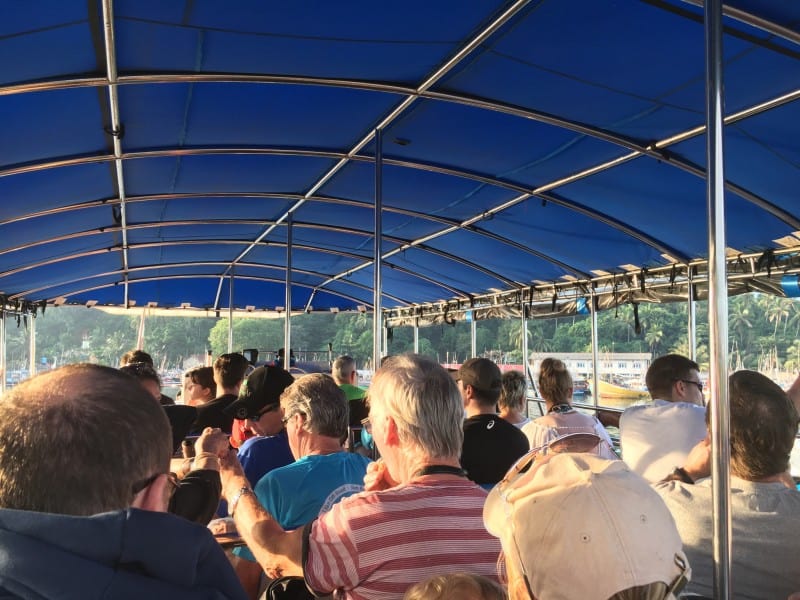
287	325
377	263
717	304
116	131
230	314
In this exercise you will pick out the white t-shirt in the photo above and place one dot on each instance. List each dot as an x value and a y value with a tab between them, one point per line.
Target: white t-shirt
655	438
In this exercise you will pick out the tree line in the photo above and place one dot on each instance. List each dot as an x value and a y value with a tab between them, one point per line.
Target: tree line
763	334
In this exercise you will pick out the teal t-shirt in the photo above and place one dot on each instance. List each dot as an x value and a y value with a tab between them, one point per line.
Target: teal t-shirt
298	493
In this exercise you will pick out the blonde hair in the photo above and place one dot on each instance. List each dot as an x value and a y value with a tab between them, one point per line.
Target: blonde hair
555	382
456	586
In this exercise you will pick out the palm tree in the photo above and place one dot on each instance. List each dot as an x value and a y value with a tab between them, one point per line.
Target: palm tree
777	311
653	338
739	321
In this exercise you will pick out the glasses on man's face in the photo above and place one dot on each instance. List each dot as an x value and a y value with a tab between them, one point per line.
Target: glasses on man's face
699	384
172	480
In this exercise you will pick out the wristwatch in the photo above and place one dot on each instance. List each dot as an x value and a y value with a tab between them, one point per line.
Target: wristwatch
680	474
245	489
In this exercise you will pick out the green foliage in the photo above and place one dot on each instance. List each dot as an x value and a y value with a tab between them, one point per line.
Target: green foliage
764	332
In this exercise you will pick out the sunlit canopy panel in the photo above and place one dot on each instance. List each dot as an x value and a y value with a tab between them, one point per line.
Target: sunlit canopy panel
526	145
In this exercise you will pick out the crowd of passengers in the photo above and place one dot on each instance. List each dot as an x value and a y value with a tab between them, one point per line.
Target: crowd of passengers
432	485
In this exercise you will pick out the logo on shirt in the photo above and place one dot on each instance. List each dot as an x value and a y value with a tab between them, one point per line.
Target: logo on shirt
490	424
337	494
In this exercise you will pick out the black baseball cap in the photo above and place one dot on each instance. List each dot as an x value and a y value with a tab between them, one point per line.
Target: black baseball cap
262	388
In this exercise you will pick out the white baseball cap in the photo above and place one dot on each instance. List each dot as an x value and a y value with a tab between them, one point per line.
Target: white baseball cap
580	526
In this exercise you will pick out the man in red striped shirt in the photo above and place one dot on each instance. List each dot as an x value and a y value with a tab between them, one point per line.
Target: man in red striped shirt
420	517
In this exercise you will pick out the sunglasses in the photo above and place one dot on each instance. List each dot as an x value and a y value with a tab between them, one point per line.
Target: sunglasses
699	384
172	479
255	418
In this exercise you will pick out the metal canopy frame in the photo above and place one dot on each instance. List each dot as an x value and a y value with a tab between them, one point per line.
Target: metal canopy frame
439	87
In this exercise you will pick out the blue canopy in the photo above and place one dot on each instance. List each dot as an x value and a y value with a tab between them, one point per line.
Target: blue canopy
152	152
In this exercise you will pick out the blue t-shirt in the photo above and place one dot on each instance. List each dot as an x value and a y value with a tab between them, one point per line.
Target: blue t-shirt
298	493
260	455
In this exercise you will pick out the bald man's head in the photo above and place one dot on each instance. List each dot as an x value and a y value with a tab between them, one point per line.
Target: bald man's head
78	440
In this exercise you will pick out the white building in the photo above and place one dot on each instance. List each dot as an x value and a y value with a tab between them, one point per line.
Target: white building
627	366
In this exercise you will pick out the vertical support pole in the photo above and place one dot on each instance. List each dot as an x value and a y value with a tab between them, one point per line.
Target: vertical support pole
287	325
595	353
32	342
717	304
416	335
692	325
385	339
524	334
473	337
3	364
230	313
524	340
377	320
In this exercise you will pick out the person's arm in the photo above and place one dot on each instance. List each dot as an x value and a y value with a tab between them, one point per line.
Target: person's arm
609	418
278	552
197	496
697	466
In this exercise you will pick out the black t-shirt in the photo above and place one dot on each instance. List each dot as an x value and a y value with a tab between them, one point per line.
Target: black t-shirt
491	446
211	415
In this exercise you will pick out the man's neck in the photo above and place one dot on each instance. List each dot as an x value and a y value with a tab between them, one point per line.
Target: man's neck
320	444
473	409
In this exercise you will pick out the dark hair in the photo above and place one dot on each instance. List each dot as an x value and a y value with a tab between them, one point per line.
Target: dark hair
763	426
229	369
203	376
135	356
514	389
141	371
555	381
665	371
77	440
343	367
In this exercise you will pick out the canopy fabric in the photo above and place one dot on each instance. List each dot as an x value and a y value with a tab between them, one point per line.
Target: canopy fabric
152	152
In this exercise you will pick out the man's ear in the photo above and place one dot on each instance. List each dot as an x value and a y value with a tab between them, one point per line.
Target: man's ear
392	434
154	496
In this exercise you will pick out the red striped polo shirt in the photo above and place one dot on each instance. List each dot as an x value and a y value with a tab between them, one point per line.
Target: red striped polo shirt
374	545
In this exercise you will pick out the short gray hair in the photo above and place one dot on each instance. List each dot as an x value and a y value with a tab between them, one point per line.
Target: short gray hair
342	368
424	402
321	401
512	396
